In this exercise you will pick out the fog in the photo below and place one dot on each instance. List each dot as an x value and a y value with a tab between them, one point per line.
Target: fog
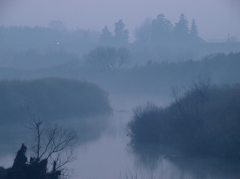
119	89
216	18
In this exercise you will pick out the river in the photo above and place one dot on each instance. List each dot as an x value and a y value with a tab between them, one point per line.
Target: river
109	156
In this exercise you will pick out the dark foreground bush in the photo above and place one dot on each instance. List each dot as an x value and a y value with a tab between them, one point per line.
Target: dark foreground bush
33	169
51	98
204	121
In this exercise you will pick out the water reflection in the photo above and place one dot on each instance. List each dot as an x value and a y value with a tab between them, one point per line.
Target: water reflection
108	156
178	166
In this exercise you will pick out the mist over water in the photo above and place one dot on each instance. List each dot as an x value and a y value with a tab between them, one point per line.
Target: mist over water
150	87
109	155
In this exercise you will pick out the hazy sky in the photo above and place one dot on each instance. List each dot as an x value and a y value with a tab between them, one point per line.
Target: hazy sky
215	18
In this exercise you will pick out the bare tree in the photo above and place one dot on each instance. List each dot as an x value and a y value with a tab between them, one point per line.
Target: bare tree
123	56
109	58
53	143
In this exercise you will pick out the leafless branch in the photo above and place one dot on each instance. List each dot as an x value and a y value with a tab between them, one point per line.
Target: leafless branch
53	143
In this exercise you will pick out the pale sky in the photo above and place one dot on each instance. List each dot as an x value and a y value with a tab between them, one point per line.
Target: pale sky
215	18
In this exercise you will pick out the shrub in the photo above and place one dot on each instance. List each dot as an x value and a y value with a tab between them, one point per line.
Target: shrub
203	121
51	98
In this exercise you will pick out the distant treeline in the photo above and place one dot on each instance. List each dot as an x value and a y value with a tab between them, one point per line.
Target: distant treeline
51	99
157	39
160	77
221	68
152	77
53	36
158	30
204	121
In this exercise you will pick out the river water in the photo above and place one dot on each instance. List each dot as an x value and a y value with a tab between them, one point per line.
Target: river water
109	157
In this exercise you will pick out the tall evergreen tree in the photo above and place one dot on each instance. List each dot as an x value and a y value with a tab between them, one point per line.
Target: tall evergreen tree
194	33
161	29
194	29
121	34
181	29
142	33
105	37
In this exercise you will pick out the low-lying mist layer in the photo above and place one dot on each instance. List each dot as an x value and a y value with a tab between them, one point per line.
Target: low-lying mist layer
150	78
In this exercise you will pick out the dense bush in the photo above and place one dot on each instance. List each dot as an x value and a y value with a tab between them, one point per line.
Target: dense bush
205	120
51	98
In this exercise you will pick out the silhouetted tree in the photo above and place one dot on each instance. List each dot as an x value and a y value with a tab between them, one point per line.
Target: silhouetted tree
53	144
194	29
161	29
102	57
181	29
123	56
105	37
194	33
32	169
142	33
18	170
20	159
120	33
109	58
